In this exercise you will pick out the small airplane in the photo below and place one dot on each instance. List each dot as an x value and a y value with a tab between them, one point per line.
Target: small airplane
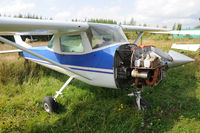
97	54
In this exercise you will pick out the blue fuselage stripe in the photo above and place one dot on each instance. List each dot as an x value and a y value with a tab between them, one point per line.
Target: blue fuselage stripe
82	69
101	59
92	70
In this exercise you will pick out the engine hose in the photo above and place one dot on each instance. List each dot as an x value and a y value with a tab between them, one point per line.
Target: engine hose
136	82
155	76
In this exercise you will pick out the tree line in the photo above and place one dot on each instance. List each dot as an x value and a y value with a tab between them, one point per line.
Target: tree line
29	16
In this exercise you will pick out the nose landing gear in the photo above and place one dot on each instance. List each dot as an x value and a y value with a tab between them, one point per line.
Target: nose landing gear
142	105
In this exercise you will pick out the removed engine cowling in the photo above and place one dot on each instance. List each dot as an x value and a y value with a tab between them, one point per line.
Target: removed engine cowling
141	65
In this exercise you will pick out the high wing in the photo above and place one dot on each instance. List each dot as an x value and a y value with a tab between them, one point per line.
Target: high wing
21	25
181	32
141	28
13	25
36	32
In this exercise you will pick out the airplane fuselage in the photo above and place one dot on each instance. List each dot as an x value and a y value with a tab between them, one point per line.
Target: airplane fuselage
97	64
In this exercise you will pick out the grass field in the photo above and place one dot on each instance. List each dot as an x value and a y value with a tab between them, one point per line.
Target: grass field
175	103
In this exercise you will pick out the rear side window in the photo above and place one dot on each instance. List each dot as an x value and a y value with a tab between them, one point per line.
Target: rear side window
71	43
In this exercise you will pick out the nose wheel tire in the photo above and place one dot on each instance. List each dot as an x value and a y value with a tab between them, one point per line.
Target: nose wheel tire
144	105
49	104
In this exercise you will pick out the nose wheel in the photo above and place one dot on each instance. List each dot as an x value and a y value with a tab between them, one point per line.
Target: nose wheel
142	105
49	104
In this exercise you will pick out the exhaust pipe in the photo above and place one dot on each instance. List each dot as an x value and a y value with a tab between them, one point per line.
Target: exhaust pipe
178	59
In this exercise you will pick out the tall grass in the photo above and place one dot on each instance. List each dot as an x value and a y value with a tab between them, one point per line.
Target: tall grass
175	103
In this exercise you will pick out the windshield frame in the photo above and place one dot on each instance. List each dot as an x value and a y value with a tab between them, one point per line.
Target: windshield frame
101	35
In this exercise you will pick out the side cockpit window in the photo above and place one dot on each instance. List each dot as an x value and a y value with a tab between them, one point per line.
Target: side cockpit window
72	43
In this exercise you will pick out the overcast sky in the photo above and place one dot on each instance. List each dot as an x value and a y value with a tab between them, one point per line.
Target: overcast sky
150	12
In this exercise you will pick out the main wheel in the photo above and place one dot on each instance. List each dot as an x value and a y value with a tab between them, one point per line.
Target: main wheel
49	104
144	105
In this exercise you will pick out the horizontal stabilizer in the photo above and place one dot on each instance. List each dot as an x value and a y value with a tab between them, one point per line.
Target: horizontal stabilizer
10	51
190	47
19	41
178	59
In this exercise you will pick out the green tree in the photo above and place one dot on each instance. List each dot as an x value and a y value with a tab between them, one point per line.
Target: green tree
132	22
179	27
197	27
174	27
20	16
107	21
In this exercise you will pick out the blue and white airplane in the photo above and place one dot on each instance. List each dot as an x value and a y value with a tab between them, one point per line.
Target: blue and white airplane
97	54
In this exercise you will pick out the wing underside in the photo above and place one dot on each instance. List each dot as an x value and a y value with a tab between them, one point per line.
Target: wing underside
141	28
180	32
21	25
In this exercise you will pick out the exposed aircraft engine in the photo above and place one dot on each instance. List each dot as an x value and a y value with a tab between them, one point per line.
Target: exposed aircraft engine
139	65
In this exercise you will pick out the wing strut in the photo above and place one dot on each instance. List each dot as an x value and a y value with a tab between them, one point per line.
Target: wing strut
139	37
41	57
62	88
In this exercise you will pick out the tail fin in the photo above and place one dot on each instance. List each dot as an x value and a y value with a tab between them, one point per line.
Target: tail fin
19	41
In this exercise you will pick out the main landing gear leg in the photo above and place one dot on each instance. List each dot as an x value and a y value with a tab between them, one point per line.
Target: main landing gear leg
142	105
50	105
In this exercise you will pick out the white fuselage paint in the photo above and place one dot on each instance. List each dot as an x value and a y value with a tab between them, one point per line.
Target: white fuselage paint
98	79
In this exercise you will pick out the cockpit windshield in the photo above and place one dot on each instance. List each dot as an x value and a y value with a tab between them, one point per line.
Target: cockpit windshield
102	35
